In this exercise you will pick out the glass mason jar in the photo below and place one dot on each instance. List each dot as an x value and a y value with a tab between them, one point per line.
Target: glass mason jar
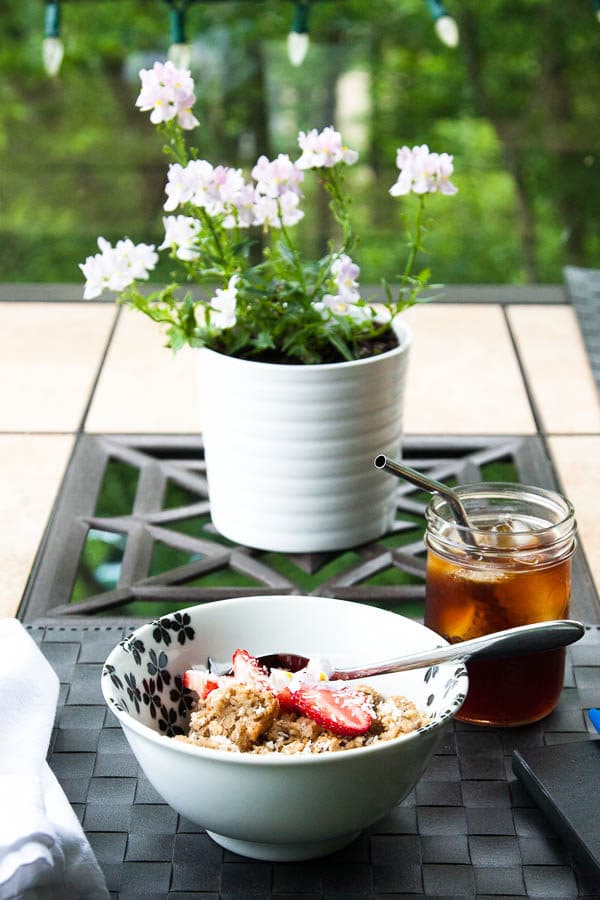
512	567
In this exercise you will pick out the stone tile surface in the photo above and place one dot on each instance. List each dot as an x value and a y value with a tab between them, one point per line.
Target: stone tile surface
577	460
555	362
464	376
32	467
50	354
143	386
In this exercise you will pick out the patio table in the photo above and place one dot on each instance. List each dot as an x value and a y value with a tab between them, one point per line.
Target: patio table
92	389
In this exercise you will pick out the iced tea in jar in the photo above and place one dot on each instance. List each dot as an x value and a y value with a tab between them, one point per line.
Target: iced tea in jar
512	567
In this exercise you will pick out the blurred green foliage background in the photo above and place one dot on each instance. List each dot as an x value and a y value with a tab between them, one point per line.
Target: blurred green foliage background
516	103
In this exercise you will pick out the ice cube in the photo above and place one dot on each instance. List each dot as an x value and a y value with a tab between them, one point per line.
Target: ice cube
505	526
481	574
512	534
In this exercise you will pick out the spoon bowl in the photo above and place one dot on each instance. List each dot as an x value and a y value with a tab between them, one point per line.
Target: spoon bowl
510	642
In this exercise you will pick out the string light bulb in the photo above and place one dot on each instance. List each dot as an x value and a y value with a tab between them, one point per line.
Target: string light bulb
298	40
445	26
52	47
447	31
180	52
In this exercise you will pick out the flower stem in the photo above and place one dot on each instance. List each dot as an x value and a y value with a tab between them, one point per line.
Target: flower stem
210	225
416	242
175	145
340	204
292	248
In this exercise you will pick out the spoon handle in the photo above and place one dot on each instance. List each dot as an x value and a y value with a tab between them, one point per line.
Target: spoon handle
513	641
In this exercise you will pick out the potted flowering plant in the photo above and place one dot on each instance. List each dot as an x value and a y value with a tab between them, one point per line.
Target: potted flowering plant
302	375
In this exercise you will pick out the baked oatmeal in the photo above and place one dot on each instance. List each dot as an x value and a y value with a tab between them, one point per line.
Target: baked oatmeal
254	711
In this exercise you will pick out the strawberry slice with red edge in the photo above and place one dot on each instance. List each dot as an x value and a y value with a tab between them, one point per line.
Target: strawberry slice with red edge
248	670
200	681
286	699
341	710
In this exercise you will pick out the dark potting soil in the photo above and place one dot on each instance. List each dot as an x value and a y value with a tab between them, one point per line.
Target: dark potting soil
329	354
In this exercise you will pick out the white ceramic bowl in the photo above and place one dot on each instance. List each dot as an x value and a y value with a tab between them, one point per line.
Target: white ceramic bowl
276	807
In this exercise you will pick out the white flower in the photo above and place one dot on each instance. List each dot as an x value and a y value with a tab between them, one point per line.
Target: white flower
323	150
168	92
266	210
97	271
114	268
187	184
345	272
181	233
140	258
277	177
201	176
223	305
290	212
423	172
341	306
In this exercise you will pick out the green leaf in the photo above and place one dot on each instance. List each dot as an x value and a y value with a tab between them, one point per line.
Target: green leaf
285	252
388	290
340	344
264	341
176	338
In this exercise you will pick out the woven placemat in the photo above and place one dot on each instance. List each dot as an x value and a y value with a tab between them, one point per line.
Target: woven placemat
469	829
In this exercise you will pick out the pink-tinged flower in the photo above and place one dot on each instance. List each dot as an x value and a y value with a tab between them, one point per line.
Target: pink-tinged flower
276	177
185	116
323	149
223	305
345	272
423	172
167	92
114	268
225	185
267	209
242	209
181	233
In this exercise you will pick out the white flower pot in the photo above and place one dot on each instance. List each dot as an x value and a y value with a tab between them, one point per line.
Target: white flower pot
290	448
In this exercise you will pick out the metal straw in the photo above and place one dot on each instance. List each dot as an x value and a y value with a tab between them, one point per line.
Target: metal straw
428	484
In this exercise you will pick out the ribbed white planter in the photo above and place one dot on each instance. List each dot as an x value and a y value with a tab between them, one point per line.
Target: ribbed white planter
290	448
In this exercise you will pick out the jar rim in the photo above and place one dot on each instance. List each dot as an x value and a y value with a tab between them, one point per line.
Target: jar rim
438	511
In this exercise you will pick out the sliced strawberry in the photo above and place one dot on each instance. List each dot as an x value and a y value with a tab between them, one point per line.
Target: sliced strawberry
248	670
341	710
286	699
201	682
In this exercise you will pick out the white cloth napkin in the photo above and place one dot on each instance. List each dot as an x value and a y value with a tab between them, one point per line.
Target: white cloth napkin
44	854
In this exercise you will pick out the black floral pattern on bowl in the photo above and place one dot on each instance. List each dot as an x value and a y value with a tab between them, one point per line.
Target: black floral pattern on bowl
179	623
148	688
430	677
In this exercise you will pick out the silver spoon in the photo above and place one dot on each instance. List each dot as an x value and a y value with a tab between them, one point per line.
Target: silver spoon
511	642
428	484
